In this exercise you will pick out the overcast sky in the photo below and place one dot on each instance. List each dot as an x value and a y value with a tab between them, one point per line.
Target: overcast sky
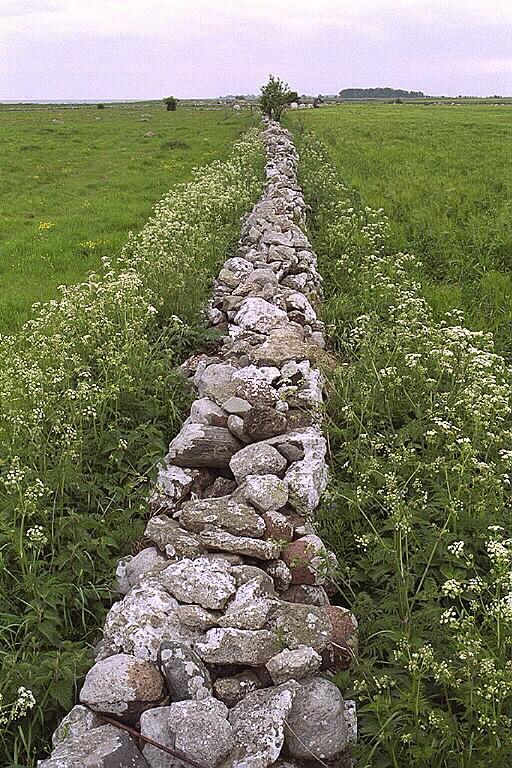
129	49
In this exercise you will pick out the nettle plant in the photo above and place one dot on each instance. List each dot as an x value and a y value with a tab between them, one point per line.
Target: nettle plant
90	397
418	510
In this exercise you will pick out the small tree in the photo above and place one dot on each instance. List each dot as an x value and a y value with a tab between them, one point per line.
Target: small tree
275	96
171	103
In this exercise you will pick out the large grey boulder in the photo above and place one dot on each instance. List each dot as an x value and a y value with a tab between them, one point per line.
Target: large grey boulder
102	747
238	646
204	582
185	674
258	725
317	725
215	382
198	729
123	686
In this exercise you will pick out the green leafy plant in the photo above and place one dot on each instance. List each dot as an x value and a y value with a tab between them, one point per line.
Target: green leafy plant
171	103
275	97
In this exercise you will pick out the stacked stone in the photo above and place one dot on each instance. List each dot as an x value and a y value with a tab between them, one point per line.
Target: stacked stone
224	642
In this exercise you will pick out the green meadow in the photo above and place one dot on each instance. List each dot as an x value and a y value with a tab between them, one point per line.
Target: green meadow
75	182
443	176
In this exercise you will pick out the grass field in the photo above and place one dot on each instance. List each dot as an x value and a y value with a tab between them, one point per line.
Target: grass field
74	182
443	176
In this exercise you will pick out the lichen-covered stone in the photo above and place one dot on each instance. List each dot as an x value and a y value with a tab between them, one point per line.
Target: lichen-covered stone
196	617
140	622
241	545
76	723
250	608
205	582
298	625
222	512
201	445
170	537
103	747
238	646
262	422
316	725
185	674
265	492
258	725
131	570
258	315
293	665
198	729
257	459
123	686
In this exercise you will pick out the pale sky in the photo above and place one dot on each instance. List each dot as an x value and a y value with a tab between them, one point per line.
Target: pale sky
130	49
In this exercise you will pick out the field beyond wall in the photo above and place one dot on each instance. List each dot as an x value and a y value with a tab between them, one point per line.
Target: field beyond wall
74	182
443	175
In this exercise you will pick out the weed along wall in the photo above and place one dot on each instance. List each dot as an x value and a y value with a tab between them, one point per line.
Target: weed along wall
222	648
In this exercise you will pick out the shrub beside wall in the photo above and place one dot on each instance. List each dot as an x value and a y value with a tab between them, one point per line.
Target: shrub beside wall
89	396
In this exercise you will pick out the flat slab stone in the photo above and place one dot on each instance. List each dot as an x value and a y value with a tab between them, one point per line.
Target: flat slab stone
259	315
293	665
201	445
170	537
222	512
240	545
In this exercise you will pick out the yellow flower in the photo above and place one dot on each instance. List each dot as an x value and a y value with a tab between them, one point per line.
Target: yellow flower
44	225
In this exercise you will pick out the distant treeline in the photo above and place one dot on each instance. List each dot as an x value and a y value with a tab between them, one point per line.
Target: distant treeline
380	93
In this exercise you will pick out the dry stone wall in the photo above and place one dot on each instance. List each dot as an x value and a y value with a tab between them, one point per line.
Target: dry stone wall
224	642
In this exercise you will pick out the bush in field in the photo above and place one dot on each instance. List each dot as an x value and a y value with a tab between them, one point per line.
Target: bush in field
171	103
90	397
418	510
275	97
100	106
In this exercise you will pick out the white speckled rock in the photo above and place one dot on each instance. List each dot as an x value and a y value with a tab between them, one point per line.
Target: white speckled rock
198	729
257	459
250	607
251	648
184	672
259	315
170	537
173	483
240	545
76	723
214	382
293	665
265	492
316	723
123	686
222	512
258	725
131	570
102	747
196	617
307	478
140	622
202	581
298	625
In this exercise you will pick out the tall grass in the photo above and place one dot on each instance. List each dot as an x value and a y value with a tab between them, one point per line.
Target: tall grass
418	510
89	397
